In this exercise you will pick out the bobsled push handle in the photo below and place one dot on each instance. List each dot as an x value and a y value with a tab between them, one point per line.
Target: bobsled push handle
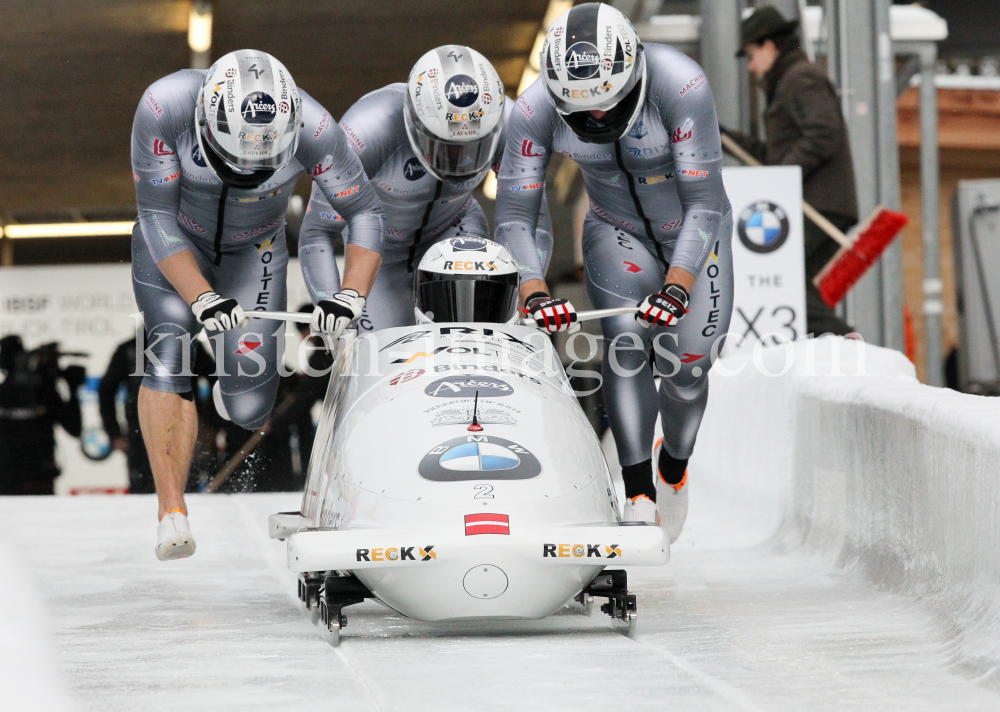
587	315
300	317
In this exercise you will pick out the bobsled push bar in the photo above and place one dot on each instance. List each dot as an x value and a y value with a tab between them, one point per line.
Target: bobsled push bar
353	549
304	318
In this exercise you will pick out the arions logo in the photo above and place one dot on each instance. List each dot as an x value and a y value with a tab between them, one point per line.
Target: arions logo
413	169
258	108
467	387
763	227
197	158
461	90
582	60
478	457
468	244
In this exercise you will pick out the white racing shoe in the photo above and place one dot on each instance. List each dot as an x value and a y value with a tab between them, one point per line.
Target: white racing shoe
671	500
173	537
641	509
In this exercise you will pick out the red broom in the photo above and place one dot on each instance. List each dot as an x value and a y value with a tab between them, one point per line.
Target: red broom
857	252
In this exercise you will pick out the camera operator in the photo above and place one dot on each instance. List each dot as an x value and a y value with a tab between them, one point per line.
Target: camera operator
30	408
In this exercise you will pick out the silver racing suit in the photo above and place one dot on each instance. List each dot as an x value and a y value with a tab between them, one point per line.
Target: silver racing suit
656	200
420	211
237	237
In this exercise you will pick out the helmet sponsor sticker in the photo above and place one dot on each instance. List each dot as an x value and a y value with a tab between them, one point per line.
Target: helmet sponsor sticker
258	108
468	386
582	60
478	457
461	90
468	244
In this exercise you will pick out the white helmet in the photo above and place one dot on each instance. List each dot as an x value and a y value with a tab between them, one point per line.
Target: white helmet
592	60
248	114
466	278
454	111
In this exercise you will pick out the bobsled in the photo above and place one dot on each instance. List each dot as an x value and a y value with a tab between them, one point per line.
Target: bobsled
454	476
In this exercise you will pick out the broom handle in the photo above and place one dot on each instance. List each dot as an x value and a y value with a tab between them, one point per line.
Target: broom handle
248	447
809	211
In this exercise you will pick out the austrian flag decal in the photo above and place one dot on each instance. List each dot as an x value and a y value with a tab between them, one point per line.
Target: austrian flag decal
487	524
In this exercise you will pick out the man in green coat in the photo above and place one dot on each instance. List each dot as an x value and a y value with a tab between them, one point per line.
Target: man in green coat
805	128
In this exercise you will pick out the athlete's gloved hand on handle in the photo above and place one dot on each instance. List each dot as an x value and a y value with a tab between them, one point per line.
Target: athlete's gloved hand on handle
217	313
665	308
332	316
551	314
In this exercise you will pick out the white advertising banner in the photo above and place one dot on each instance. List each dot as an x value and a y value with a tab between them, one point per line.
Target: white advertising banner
90	309
768	256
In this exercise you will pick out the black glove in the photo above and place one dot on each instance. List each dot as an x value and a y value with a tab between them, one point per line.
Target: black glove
333	316
551	314
665	308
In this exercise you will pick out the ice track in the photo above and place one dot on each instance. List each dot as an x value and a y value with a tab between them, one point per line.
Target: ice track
825	566
720	630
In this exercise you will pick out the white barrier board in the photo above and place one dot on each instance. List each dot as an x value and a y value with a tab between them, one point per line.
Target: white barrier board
88	308
768	255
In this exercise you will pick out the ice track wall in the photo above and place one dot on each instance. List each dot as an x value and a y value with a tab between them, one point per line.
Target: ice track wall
899	480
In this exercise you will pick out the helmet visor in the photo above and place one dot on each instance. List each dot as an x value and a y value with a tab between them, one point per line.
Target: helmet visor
450	158
610	127
447	298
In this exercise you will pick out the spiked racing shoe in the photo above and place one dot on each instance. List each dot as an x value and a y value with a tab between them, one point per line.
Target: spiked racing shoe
671	491
173	537
641	509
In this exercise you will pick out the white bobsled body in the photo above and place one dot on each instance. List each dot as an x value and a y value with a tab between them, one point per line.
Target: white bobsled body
439	519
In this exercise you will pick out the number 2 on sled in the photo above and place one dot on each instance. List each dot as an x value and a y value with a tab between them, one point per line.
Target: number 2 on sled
483	492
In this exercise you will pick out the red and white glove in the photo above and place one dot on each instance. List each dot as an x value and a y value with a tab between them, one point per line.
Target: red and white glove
217	313
551	314
332	316
665	308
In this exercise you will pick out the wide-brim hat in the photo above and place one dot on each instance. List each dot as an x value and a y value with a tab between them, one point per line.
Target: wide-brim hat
765	22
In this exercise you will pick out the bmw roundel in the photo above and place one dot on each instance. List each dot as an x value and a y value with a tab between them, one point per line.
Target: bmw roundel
478	457
461	90
763	227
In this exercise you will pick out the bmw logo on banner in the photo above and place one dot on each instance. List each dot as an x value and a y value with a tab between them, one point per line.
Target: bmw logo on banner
478	457
763	227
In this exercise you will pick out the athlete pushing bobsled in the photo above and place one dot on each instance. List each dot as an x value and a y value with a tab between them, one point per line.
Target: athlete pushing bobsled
426	145
640	122
215	156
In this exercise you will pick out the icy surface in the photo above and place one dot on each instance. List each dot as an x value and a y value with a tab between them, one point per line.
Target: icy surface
841	554
750	629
